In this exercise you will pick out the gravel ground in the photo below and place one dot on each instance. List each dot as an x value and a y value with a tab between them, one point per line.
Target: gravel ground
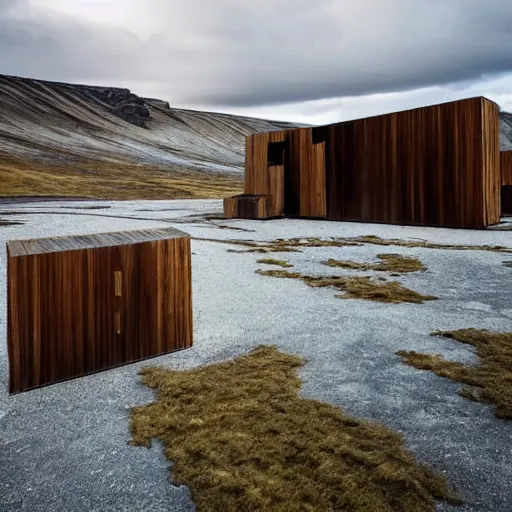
63	448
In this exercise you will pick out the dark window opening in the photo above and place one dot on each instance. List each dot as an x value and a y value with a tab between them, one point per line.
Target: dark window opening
319	134
276	153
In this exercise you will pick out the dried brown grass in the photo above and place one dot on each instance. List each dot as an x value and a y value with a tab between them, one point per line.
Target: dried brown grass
294	244
490	381
271	261
111	180
241	439
286	274
375	240
390	263
357	287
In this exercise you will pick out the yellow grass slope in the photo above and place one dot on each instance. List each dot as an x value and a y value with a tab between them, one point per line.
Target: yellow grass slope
103	180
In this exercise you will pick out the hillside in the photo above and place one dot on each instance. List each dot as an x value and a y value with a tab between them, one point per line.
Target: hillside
106	142
506	131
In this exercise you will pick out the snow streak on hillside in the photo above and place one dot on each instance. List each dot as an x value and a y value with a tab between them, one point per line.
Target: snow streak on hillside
109	141
51	121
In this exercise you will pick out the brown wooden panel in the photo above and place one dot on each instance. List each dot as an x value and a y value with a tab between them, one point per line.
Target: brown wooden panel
259	184
293	175
75	312
247	206
491	154
278	136
318	205
276	190
312	201
230	207
506	167
304	148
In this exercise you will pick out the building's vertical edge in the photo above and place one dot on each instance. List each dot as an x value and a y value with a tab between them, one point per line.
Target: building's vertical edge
189	292
12	340
491	174
506	167
484	162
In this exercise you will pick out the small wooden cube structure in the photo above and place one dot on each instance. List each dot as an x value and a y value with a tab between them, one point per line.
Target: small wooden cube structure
247	206
506	182
81	304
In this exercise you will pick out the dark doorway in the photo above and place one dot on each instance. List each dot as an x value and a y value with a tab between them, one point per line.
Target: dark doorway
276	153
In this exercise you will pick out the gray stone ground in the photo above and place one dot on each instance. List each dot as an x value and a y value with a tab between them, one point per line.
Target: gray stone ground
63	448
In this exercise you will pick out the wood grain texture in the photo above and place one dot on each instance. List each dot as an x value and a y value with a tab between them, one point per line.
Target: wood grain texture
230	207
276	190
71	313
248	206
506	167
431	166
491	157
68	243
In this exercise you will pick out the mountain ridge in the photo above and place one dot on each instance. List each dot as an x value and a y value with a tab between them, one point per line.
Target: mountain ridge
58	138
55	121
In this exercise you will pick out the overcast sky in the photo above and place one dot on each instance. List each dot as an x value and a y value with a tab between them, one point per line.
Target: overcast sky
315	61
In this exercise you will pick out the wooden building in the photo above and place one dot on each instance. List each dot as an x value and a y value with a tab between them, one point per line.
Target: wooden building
81	304
431	166
506	182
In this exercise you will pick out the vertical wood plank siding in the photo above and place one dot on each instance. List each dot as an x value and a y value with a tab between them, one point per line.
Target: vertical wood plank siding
246	206
433	166
506	167
491	153
506	182
76	312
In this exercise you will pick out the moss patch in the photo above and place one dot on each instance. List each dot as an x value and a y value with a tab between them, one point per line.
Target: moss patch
270	261
390	263
375	240
242	439
280	273
357	287
490	381
294	244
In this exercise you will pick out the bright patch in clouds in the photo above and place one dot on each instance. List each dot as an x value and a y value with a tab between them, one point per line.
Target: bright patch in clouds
314	62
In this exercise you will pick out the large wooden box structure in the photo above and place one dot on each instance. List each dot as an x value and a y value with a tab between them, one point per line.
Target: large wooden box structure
506	182
431	166
82	304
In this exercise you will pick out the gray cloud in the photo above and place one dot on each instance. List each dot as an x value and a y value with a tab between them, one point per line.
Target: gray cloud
239	54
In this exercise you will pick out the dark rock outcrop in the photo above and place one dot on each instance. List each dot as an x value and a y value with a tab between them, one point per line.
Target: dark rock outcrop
124	104
65	123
